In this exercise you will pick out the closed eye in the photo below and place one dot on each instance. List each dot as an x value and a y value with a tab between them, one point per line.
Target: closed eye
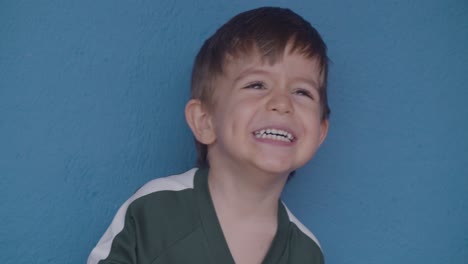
304	92
255	85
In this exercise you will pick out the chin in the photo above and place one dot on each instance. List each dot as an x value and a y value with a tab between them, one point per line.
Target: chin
277	168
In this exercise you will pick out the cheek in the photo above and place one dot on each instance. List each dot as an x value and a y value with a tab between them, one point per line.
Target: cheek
244	110
312	127
237	122
231	121
309	114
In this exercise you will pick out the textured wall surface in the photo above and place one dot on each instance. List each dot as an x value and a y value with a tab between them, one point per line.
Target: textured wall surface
91	107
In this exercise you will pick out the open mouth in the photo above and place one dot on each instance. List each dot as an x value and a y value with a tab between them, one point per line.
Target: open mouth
274	134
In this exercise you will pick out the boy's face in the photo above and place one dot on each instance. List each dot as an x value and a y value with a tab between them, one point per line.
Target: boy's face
267	117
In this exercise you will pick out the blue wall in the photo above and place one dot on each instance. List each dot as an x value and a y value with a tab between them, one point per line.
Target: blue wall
91	107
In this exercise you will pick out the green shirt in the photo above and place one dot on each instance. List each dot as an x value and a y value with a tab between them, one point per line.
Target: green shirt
173	220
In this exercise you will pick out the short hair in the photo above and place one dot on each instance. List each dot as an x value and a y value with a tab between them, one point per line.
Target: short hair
267	31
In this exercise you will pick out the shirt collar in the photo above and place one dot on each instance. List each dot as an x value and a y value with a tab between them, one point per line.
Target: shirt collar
217	244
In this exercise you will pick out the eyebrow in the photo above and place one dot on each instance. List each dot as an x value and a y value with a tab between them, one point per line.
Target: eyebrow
311	82
250	71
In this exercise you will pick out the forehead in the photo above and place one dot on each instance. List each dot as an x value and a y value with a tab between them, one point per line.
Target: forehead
293	63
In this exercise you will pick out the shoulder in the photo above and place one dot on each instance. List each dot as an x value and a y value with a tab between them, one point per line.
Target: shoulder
165	201
170	183
156	188
301	227
303	242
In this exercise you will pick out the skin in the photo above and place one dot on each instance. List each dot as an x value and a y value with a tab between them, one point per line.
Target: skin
248	173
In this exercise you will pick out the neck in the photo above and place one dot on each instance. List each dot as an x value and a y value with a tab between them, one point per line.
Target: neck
245	194
246	205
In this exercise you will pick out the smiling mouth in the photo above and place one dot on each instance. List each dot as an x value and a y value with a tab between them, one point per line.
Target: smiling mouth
274	134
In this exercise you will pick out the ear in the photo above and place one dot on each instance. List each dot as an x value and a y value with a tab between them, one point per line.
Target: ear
323	130
199	120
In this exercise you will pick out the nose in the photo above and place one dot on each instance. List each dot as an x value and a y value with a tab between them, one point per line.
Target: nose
280	102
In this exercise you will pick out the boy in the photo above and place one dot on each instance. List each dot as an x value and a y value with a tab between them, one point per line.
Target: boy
258	112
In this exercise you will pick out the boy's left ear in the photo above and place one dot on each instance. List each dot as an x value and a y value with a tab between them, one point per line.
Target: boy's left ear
323	130
199	120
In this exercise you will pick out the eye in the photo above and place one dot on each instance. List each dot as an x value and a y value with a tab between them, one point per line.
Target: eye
256	85
304	92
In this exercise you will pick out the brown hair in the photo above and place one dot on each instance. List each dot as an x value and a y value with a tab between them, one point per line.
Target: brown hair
266	30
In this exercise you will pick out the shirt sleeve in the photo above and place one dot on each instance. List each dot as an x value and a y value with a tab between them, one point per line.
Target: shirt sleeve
118	244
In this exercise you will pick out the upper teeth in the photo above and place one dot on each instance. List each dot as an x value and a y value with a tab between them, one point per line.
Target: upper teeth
276	134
